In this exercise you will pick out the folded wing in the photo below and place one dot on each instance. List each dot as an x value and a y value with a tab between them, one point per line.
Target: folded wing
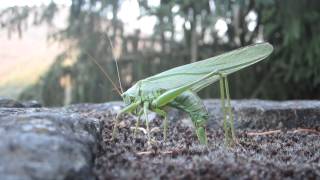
226	63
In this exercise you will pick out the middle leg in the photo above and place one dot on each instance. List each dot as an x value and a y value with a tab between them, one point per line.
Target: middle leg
145	111
165	122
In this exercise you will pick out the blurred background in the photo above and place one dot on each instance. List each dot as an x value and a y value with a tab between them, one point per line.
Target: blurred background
47	47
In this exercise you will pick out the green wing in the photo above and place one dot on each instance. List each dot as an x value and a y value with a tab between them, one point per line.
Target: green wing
226	63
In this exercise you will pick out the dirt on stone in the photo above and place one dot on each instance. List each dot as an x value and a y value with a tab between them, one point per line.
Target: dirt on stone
281	155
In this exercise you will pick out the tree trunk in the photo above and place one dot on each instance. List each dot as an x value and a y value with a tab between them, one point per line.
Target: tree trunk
163	38
194	39
115	8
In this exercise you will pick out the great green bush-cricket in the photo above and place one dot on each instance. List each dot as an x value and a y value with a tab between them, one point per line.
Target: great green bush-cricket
178	88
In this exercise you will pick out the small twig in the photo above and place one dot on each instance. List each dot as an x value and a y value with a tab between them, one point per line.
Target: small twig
139	128
151	152
279	131
144	153
263	133
155	129
306	130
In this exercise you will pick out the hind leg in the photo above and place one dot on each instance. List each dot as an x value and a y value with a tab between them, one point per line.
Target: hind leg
231	117
137	123
145	111
228	122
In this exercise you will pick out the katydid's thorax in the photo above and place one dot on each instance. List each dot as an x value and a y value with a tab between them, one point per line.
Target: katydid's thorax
137	93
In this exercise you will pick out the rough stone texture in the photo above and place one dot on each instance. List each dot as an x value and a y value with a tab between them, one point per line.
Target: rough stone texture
11	103
286	154
249	114
61	143
46	144
257	114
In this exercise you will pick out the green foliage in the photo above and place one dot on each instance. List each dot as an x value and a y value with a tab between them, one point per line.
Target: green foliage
293	72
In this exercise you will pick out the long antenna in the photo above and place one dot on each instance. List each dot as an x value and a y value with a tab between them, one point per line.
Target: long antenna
104	72
115	60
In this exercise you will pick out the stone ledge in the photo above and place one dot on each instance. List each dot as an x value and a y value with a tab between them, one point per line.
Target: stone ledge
60	143
262	114
45	143
249	114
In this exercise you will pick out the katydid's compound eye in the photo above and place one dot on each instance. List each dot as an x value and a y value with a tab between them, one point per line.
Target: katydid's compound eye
126	99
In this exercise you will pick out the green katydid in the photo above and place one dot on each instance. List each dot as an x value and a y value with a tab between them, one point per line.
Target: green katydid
178	88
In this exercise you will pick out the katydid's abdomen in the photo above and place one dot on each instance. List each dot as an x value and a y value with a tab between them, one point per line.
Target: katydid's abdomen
191	103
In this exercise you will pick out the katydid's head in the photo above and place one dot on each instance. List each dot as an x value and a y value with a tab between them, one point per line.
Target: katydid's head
127	99
130	96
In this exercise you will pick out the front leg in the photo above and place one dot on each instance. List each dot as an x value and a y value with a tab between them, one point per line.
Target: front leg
127	109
